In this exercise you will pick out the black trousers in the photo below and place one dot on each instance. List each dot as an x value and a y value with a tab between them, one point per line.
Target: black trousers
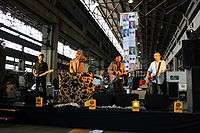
117	91
118	86
159	89
41	82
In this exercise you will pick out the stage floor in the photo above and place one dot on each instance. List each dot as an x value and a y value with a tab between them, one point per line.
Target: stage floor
50	129
109	119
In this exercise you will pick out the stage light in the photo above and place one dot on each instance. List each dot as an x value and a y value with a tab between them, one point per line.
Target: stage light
91	103
178	106
135	106
130	1
39	102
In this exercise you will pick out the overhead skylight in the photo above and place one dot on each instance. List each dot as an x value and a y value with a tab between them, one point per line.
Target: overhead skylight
96	14
20	26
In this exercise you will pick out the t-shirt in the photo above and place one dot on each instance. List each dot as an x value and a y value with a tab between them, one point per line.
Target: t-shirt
153	69
40	67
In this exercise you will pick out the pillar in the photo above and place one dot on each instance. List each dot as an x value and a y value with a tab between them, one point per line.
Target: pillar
50	38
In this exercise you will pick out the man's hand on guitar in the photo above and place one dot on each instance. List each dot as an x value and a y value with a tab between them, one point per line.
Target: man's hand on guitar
119	73
151	77
35	74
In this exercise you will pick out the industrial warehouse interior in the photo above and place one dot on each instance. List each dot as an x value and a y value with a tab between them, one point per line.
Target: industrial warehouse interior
99	66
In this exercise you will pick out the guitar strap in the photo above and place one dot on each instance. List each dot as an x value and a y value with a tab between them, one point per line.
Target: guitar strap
158	68
118	66
158	71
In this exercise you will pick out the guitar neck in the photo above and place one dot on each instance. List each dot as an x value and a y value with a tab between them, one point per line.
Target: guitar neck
45	73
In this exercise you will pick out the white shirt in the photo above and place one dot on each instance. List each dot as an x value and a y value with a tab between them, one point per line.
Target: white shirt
153	69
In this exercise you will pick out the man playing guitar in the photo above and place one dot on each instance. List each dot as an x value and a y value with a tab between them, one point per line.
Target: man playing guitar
40	71
116	72
116	69
155	74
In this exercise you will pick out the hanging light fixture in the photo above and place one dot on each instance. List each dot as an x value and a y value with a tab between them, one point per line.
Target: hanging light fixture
130	1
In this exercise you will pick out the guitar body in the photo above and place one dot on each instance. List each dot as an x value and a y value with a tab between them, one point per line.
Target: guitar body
116	75
45	73
159	78
152	78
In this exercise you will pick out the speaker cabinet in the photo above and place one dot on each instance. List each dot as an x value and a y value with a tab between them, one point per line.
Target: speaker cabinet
156	102
124	100
193	93
107	99
172	89
102	98
191	53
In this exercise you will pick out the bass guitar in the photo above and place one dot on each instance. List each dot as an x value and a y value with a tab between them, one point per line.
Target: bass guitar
43	74
40	75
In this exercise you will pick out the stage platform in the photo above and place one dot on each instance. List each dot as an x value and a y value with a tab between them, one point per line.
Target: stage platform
114	119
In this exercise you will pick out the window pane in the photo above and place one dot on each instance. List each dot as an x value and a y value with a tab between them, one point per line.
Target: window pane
68	52
31	51
16	68
20	26
28	69
28	62
8	66
60	48
9	58
16	60
13	45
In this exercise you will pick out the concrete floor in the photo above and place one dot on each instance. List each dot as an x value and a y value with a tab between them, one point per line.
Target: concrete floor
45	129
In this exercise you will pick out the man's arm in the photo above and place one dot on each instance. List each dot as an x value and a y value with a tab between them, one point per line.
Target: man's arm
110	70
34	71
35	74
148	74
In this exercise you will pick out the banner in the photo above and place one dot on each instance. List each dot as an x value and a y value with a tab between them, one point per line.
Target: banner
129	24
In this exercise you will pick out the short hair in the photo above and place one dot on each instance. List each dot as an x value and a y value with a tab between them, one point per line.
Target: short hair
79	51
119	56
41	55
157	53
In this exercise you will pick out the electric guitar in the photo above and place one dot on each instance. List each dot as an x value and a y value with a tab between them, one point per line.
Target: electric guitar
151	78
161	77
40	75
43	74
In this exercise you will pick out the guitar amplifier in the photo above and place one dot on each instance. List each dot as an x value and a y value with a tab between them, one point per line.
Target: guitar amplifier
124	100
156	102
102	98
